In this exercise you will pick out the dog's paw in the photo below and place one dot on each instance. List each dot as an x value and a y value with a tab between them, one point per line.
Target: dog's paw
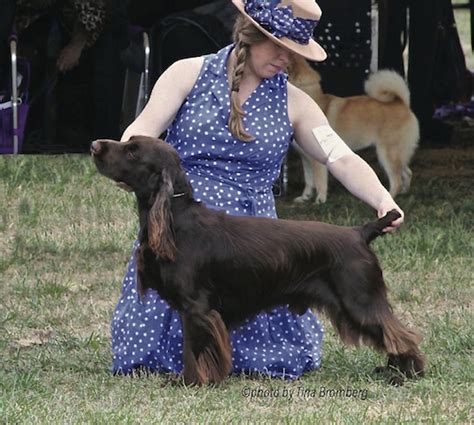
397	380
380	369
302	199
320	199
394	376
124	186
405	188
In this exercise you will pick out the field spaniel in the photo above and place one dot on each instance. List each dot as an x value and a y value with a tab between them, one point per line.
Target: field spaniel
218	270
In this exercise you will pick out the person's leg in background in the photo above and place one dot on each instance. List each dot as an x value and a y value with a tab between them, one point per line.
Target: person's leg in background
392	38
109	72
471	8
6	24
425	16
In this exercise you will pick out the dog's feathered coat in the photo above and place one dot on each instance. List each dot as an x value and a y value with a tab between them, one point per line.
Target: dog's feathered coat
218	270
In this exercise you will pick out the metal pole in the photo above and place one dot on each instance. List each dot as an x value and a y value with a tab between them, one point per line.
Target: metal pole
146	43
13	42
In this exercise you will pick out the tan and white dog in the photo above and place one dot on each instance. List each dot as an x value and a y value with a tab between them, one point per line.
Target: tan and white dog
381	118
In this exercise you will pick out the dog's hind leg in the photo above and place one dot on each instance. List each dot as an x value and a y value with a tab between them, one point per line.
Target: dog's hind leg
365	315
207	352
309	188
406	179
391	162
320	176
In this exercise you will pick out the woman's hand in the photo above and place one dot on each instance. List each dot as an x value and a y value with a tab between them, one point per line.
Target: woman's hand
69	57
387	204
70	54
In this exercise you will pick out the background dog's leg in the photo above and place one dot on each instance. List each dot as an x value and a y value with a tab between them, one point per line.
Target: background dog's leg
320	176
309	187
406	179
391	162
207	351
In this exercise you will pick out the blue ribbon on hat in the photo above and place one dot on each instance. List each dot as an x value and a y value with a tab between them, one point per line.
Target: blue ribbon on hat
279	21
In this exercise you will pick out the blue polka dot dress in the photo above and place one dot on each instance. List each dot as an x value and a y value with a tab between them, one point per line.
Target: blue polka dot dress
235	176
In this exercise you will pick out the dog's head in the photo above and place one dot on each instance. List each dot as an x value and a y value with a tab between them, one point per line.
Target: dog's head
152	169
301	74
143	164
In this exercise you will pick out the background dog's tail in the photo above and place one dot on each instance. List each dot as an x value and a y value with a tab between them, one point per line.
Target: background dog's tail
375	228
387	86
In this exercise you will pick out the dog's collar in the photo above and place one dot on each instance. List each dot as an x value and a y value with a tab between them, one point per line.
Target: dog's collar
178	195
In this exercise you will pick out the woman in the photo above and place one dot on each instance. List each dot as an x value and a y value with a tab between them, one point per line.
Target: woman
231	116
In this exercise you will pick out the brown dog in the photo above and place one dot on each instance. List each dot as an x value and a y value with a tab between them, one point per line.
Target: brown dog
382	118
218	270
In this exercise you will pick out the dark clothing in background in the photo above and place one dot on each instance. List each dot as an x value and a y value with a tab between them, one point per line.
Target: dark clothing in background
147	12
109	71
7	8
434	60
90	14
72	108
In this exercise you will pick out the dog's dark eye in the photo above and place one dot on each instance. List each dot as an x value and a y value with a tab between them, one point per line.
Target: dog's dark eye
132	151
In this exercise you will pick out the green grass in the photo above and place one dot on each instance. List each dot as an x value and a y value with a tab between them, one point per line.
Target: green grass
66	233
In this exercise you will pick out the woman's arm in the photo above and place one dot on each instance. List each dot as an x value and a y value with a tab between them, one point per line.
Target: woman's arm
359	179
350	169
167	96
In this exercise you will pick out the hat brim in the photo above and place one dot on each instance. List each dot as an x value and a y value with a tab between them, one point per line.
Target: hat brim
312	50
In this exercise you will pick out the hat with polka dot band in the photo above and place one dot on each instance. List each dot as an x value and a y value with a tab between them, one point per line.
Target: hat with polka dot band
289	23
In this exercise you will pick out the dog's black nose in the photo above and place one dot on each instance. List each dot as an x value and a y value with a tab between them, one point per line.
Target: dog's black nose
96	147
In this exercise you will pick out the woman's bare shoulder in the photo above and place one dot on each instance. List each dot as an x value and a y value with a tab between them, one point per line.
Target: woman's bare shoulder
191	65
180	76
296	95
300	103
186	70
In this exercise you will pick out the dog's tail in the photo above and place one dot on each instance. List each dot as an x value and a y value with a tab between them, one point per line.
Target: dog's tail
375	228
387	86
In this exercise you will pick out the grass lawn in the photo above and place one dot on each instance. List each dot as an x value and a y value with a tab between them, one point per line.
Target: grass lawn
66	233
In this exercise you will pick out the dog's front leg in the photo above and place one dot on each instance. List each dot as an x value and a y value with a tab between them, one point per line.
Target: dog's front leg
309	187
207	353
192	374
320	181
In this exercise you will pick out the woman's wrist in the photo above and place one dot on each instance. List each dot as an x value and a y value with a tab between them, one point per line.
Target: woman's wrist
386	205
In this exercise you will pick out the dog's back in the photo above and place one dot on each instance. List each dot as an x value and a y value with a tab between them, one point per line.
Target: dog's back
382	118
383	115
366	119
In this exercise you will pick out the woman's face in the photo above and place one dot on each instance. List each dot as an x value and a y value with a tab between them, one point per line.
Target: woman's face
268	58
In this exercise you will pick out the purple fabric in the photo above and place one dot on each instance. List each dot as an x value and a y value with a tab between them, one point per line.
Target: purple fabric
455	111
6	128
6	115
279	21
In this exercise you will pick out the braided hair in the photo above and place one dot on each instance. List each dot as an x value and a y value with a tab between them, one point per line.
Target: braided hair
244	35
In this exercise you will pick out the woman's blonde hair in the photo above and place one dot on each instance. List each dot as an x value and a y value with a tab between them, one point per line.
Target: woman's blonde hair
244	35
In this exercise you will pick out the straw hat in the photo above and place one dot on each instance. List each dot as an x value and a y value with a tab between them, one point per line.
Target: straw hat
289	23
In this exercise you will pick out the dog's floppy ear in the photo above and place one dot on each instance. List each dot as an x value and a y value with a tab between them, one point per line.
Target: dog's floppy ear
160	226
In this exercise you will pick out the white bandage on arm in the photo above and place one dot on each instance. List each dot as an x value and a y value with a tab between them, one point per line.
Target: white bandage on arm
331	144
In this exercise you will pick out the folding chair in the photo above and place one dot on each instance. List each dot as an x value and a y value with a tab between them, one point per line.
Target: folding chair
137	75
14	103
